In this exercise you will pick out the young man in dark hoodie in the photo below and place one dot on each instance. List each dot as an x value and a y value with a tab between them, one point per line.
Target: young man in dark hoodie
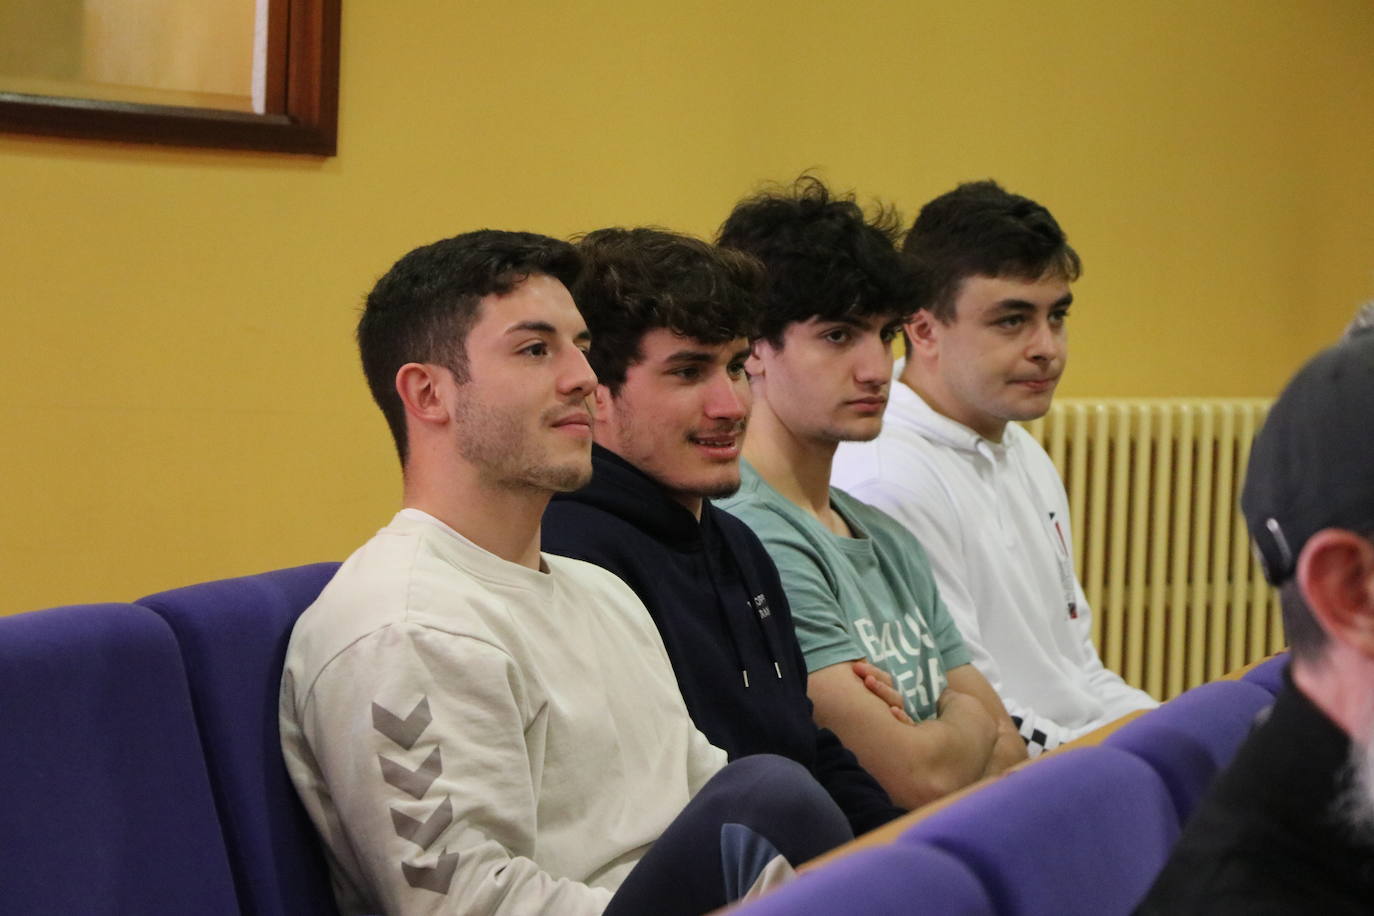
671	319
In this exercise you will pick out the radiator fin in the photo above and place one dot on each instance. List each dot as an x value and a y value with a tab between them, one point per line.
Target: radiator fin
1160	547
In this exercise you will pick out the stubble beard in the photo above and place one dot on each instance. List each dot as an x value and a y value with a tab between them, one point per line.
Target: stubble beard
500	445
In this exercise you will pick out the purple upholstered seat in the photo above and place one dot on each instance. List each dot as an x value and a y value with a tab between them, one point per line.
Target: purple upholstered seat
1082	832
233	635
903	878
1268	674
1193	736
105	804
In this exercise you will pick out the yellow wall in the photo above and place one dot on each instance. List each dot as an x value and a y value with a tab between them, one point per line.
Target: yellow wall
179	397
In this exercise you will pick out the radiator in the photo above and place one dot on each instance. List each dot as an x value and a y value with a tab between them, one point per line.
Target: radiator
1159	543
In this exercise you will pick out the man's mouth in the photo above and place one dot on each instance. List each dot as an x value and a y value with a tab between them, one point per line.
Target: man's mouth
1037	384
872	404
577	422
722	445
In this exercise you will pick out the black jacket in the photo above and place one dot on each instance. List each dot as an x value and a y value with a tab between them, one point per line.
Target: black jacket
1267	839
714	593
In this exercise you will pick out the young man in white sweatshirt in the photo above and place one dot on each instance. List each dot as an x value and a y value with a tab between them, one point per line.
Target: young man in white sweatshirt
987	346
475	726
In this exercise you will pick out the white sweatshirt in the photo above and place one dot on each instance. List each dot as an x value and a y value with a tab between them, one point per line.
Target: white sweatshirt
472	736
994	520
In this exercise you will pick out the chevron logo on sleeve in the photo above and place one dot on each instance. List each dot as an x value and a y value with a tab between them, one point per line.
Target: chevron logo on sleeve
423	833
404	732
416	782
435	878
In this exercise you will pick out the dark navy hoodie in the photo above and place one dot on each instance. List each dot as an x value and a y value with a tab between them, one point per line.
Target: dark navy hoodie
720	608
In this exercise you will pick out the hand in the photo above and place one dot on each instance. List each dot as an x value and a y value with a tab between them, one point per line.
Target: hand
879	683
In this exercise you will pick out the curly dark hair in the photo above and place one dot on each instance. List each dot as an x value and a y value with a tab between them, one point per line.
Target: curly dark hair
422	309
824	257
636	280
979	229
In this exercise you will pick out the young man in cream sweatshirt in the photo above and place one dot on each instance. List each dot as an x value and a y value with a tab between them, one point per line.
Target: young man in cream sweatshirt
475	726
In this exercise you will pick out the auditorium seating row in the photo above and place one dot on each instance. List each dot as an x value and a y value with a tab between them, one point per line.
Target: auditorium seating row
140	770
141	773
1080	831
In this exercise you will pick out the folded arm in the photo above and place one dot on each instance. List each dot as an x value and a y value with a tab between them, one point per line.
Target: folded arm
915	763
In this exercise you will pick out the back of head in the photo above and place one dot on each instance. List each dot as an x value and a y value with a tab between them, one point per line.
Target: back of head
979	229
823	256
421	310
1311	468
637	280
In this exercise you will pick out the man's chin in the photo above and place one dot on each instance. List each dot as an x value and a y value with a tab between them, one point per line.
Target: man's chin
568	478
719	488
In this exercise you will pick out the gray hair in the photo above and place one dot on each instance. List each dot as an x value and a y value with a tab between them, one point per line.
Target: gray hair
1362	323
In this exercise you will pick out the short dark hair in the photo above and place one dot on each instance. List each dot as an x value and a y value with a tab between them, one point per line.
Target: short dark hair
979	229
824	257
422	309
637	280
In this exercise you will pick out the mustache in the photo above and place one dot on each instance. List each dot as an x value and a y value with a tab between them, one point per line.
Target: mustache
731	428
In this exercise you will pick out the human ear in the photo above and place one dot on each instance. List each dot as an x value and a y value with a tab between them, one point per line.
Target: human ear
921	333
753	364
419	387
1336	575
603	407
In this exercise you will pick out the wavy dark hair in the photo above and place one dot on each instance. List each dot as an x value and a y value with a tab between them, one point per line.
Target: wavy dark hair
980	229
824	257
422	309
637	280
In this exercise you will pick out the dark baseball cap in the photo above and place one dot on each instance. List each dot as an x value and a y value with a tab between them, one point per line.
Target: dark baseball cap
1312	464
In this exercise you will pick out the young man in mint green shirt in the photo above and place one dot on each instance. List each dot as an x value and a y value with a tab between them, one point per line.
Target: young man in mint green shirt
859	585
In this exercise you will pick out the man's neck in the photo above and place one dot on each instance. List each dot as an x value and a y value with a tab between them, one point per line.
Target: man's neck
1339	683
796	467
500	519
928	389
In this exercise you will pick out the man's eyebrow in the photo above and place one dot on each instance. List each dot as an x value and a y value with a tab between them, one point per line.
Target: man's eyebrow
691	356
1021	305
543	327
741	353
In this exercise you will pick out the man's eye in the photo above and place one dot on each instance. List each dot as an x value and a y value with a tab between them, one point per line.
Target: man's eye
837	336
735	369
888	334
1058	318
536	349
1010	321
687	373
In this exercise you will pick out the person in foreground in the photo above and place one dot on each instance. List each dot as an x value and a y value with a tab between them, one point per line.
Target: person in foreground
987	346
1289	826
859	584
475	726
671	317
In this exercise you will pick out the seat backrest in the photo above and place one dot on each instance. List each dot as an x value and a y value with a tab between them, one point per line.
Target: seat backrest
1081	832
105	803
233	635
899	878
1268	674
1192	737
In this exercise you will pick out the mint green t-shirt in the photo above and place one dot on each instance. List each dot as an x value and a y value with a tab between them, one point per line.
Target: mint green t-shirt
870	596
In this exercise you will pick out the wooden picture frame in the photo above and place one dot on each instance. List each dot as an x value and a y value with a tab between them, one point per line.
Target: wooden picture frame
302	99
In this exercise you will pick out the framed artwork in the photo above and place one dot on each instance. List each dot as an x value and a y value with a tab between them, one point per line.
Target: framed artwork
230	74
